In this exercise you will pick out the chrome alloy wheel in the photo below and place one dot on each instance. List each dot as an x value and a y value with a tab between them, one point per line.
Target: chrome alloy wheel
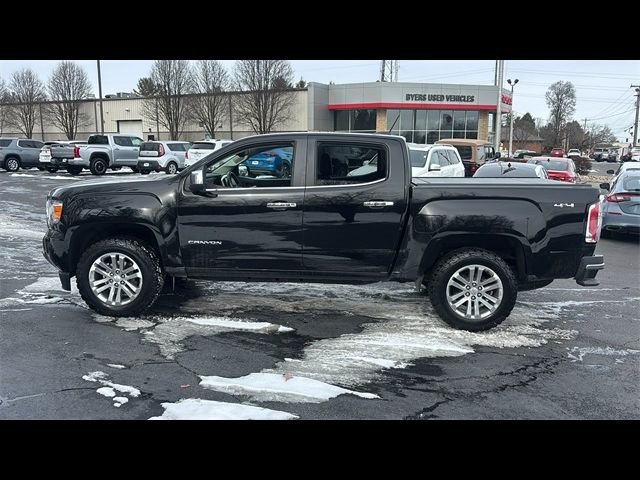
115	278
474	292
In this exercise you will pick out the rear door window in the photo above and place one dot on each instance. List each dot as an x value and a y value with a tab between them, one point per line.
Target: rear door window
98	140
177	147
465	151
123	141
345	164
5	143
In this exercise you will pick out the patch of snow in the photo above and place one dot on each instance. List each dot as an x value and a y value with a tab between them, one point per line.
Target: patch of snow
130	324
198	409
101	377
56	177
115	365
576	354
94	376
233	324
119	401
278	388
106	391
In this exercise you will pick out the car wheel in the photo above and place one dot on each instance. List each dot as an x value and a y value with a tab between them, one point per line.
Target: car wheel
115	169
135	169
98	166
172	168
74	170
472	289
52	169
285	170
119	277
145	172
12	164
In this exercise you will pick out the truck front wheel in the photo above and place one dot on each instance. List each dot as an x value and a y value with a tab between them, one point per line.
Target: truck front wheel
98	166
119	277
472	289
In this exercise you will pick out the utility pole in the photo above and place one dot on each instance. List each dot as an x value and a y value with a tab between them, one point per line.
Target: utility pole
100	97
499	82
635	124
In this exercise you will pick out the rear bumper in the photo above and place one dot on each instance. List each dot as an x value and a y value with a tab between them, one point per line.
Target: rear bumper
588	269
149	165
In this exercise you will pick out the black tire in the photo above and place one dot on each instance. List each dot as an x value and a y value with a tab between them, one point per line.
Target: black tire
145	172
12	164
135	169
98	166
448	265
172	168
523	287
52	169
73	170
42	169
147	260
115	169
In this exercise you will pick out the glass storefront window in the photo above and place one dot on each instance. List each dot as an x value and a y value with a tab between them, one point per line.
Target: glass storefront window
363	119
406	120
393	121
472	134
445	134
446	120
458	120
458	134
432	136
341	120
421	120
472	120
419	136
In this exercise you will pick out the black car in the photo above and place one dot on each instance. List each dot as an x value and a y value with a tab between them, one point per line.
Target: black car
511	170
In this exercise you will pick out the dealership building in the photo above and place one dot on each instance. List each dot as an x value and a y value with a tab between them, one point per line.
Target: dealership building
421	112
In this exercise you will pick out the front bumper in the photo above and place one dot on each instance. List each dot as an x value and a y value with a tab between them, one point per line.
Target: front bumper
53	249
588	269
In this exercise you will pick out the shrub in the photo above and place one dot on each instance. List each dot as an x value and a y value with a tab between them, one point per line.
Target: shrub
583	164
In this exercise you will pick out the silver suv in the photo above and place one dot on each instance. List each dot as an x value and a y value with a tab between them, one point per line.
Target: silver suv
159	156
16	153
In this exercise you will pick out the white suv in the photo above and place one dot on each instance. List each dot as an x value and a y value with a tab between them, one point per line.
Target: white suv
439	160
203	148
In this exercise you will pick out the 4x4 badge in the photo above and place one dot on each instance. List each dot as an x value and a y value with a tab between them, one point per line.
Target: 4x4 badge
561	205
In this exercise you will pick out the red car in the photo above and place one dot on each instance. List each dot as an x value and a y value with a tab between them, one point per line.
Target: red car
562	169
557	152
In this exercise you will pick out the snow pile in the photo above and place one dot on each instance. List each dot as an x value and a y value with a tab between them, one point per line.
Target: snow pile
576	354
198	409
273	387
109	389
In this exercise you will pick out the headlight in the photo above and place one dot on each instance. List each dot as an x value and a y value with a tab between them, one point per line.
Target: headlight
54	212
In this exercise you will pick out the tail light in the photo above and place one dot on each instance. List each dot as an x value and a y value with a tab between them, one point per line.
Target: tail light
76	152
186	155
594	222
621	197
161	150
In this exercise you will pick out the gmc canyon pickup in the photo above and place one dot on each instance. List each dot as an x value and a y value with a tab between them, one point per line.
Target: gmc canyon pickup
472	242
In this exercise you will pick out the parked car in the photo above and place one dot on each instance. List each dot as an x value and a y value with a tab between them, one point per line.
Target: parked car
635	154
275	162
435	161
472	152
599	154
55	155
621	209
624	167
473	244
524	154
106	151
17	153
511	170
574	152
612	155
557	152
203	148
562	169
162	156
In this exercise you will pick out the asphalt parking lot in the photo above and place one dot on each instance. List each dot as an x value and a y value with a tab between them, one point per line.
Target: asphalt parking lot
286	351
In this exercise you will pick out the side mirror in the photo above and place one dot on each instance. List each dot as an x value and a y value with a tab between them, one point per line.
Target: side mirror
435	168
610	172
196	184
605	186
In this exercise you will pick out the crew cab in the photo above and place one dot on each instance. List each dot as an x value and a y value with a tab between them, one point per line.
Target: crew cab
473	242
107	151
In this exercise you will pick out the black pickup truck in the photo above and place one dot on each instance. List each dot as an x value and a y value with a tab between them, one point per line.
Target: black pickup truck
472	242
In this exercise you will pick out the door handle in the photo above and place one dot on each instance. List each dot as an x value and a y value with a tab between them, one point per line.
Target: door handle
377	204
116	149
282	205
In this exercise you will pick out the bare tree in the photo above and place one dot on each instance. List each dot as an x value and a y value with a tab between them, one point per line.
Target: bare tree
26	92
266	100
173	80
561	100
209	106
68	86
4	99
145	87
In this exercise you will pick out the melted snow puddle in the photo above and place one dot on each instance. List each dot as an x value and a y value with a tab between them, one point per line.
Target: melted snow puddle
198	409
109	389
44	291
576	354
356	359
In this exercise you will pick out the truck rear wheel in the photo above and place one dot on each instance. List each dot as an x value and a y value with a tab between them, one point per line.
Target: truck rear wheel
119	277
472	289
98	166
73	170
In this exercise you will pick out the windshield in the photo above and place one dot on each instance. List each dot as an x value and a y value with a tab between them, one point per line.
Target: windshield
418	157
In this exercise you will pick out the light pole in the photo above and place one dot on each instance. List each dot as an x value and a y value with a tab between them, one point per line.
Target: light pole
513	84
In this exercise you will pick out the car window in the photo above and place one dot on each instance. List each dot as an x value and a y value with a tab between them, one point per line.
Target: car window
123	141
453	158
465	151
176	147
443	158
344	164
418	157
256	166
631	183
24	143
135	141
490	152
98	140
5	143
36	144
203	146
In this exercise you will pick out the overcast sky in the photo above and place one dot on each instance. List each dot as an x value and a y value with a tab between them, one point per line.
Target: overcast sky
602	87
